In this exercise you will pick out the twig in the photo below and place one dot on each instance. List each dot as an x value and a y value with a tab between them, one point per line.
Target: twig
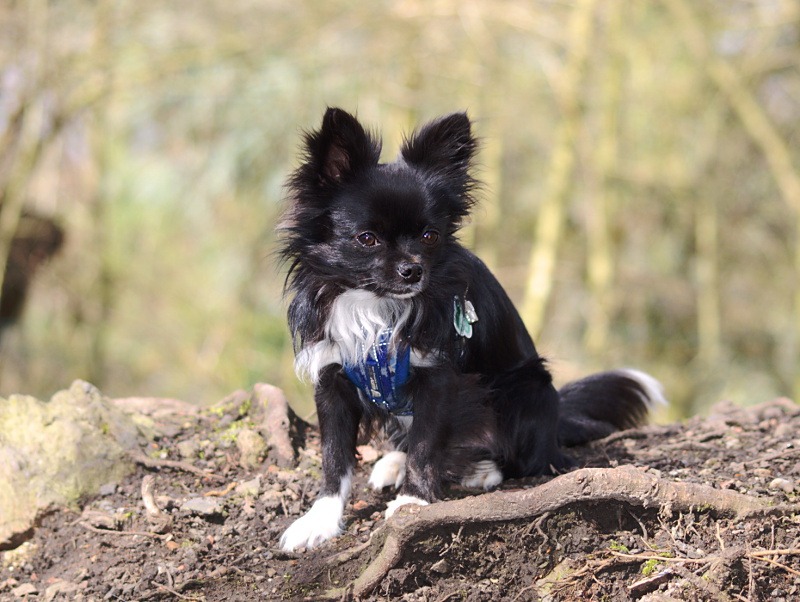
221	492
140	458
773	456
523	590
148	497
759	555
86	525
705	560
776	563
783	552
172	591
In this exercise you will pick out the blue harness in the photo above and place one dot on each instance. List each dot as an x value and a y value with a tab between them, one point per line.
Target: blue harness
382	373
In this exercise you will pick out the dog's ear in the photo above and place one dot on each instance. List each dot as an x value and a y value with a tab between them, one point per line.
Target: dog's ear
340	148
445	145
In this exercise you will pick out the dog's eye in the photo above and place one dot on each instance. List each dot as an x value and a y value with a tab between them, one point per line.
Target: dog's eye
430	237
367	239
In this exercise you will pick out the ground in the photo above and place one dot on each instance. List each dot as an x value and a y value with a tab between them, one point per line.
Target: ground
214	533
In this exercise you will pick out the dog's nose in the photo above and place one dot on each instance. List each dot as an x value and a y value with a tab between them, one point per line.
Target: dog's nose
410	272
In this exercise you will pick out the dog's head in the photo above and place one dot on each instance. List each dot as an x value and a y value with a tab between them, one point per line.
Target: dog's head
382	227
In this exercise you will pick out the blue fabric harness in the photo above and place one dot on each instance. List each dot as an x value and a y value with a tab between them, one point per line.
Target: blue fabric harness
384	368
382	373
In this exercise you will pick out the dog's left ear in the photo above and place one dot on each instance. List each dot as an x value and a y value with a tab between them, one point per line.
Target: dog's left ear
445	145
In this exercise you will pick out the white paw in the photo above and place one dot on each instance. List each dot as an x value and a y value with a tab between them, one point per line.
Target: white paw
321	523
389	470
402	500
485	475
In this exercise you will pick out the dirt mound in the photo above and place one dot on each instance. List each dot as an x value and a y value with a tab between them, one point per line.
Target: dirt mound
697	511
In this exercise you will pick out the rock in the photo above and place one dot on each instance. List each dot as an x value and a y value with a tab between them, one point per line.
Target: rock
272	499
54	452
251	447
26	589
784	485
442	567
108	489
188	449
100	520
251	487
204	506
59	587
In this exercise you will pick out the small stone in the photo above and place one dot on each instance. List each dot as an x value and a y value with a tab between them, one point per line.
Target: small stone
100	520
251	446
203	506
26	589
441	567
783	430
108	489
250	487
761	472
59	587
737	468
188	449
784	485
272	499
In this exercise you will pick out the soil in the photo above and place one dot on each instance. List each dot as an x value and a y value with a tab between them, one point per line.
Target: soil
223	544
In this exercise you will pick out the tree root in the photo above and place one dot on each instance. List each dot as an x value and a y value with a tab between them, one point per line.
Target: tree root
278	423
625	484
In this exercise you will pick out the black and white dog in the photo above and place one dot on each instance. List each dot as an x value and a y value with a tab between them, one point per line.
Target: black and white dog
401	328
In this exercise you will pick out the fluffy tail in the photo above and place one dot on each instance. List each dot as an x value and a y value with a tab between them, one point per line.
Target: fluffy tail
598	405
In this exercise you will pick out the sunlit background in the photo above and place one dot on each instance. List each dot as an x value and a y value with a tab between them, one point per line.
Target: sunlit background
641	161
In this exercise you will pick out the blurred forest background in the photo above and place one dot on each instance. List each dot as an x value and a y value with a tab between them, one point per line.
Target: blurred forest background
641	161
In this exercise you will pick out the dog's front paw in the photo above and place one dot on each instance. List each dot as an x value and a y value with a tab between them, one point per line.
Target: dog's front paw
402	500
389	470
485	475
321	523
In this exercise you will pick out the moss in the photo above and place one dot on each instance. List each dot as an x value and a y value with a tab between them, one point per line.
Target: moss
55	452
649	567
618	547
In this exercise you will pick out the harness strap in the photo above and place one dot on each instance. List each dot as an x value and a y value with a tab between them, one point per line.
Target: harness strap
382	373
383	369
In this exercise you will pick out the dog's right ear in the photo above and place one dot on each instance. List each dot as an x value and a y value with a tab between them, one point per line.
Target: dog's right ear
340	148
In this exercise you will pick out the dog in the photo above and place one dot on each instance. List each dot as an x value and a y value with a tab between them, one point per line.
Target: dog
401	328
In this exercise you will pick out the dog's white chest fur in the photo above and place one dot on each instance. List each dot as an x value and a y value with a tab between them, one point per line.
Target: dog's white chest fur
356	321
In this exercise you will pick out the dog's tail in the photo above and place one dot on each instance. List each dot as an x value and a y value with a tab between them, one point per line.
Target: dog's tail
600	404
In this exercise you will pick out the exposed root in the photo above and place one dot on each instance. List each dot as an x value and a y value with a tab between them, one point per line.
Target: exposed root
625	484
277	422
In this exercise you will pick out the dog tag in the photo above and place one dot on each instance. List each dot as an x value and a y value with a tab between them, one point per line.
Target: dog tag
464	316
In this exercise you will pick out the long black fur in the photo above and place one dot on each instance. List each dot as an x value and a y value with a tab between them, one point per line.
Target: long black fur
488	397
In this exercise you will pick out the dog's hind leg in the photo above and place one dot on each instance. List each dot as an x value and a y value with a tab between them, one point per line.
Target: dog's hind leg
485	475
527	408
389	470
